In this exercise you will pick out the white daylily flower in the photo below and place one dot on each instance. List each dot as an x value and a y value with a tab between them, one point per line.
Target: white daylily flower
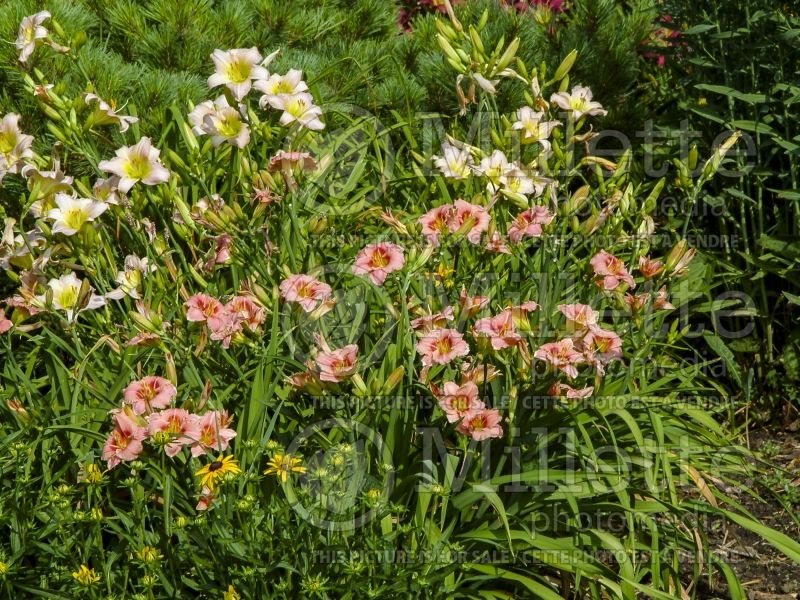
222	122
198	115
493	167
106	190
533	128
300	108
578	102
516	181
105	113
72	213
454	163
67	296
236	69
278	86
136	163
46	184
130	279
15	146
31	31
17	246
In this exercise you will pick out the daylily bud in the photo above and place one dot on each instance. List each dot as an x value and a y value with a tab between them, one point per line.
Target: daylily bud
261	294
317	225
535	89
565	66
394	379
172	373
508	55
679	258
417	262
712	165
650	203
359	385
449	51
476	40
692	158
576	201
484	20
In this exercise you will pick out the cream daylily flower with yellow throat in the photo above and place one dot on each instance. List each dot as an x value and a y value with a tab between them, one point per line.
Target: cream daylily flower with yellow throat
533	127
578	102
136	163
130	279
221	121
31	33
278	87
106	114
237	68
72	295
301	108
72	213
15	146
455	163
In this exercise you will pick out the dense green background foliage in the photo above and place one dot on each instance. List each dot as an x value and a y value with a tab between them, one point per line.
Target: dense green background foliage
737	66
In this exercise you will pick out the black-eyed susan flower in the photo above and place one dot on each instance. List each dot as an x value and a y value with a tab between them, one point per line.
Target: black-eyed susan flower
211	474
86	576
282	465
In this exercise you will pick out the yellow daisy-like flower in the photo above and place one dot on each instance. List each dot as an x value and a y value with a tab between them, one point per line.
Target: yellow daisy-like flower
282	465
231	594
92	474
214	472
86	576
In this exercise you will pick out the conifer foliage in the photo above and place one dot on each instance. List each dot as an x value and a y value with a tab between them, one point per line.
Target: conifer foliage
155	52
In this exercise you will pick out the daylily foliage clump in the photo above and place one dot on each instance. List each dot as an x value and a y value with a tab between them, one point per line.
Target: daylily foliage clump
273	327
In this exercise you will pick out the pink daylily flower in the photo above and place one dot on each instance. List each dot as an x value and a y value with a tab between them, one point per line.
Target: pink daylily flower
563	390
429	322
457	401
214	432
246	311
561	355
636	302
227	327
441	346
305	290
650	268
500	329
472	305
601	346
125	441
471	216
149	393
612	271
661	301
435	222
182	426
5	324
378	260
337	365
497	244
202	308
482	424
579	316
529	223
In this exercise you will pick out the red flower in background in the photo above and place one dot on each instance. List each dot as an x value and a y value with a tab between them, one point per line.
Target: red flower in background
662	38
